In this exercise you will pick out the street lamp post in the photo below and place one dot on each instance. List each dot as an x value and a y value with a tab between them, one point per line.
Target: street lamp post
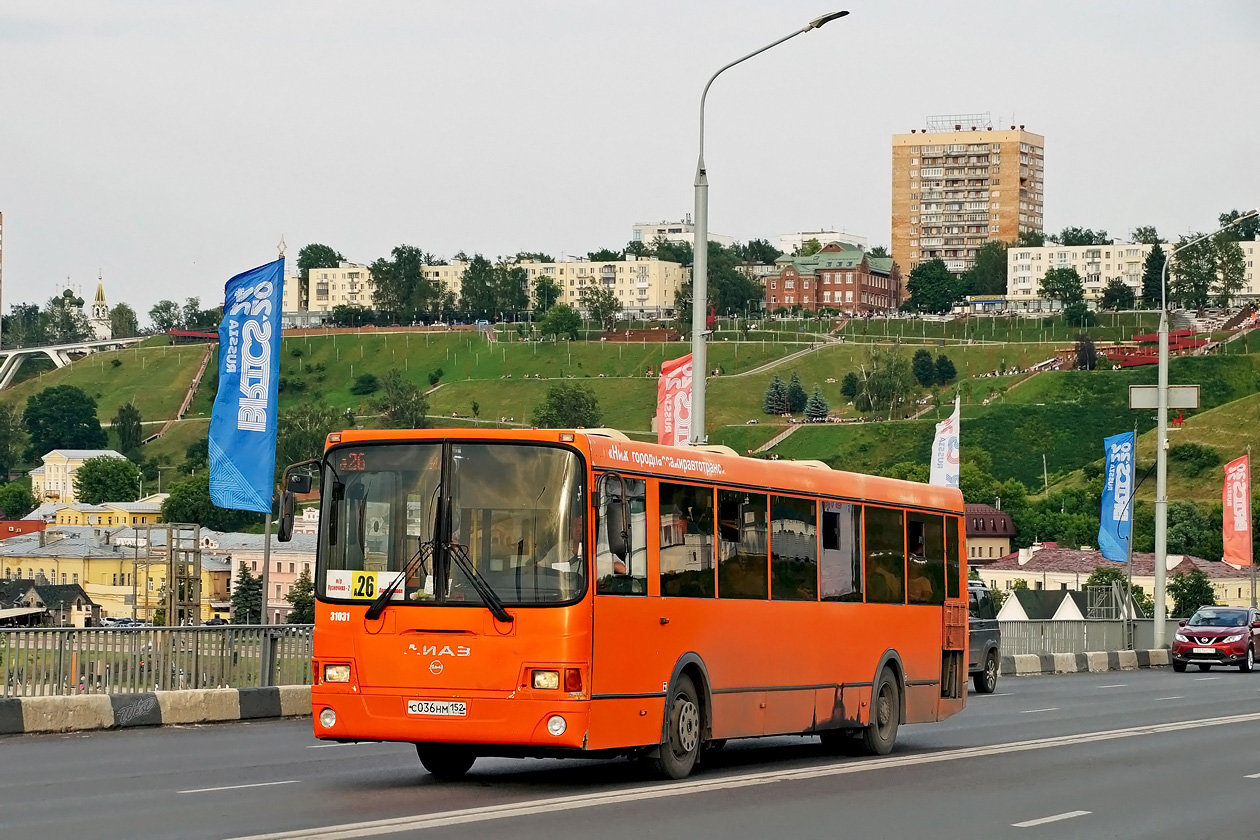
1161	435
700	249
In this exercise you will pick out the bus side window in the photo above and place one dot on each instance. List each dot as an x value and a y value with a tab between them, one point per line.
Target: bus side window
793	549
885	556
614	576
840	575
687	532
742	549
925	567
952	567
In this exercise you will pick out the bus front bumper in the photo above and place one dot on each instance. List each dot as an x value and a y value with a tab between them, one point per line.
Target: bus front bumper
464	718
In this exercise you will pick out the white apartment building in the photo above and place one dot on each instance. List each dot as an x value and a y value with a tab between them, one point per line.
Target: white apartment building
1098	265
683	231
645	286
349	284
790	243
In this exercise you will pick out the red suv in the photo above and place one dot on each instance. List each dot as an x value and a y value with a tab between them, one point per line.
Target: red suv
1217	636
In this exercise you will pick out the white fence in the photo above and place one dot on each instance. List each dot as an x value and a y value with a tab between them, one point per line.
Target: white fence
1079	636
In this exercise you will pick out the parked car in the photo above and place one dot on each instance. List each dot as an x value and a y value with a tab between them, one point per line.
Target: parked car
984	650
214	622
1217	636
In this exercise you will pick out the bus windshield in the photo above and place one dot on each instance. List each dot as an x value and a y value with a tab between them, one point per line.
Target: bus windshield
517	513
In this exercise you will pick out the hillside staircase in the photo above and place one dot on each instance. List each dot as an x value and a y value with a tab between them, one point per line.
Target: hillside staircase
188	397
777	439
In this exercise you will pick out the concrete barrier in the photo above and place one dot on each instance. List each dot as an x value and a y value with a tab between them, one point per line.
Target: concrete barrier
155	708
1023	664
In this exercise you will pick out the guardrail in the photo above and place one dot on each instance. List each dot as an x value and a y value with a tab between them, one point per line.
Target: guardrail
1078	636
124	660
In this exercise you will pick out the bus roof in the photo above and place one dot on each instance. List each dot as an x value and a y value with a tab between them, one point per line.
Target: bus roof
610	449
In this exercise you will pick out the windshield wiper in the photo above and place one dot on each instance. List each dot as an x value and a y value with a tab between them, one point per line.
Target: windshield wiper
487	593
417	561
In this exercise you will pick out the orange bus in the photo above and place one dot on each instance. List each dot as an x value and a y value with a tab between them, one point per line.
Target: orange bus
578	594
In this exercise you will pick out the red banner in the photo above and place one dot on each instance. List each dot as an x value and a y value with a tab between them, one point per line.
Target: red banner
673	402
1236	498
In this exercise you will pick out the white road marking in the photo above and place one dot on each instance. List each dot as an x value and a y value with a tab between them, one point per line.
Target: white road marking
1178	697
1007	694
421	822
1252	776
1034	711
1201	679
238	787
332	744
1067	816
1117	685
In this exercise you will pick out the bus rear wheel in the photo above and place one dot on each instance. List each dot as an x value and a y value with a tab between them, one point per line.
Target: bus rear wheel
445	761
681	747
880	735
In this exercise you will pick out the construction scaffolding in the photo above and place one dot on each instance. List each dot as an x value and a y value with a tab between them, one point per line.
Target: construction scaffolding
959	122
166	574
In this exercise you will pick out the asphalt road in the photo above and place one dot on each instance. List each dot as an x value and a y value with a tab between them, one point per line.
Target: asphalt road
1088	756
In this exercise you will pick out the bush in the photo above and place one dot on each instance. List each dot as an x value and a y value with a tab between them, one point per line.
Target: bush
296	352
1194	458
365	383
435	376
116	362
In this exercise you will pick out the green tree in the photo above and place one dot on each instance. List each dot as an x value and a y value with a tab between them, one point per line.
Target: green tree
533	256
1086	353
880	251
301	600
932	287
107	479
1147	235
808	248
816	408
123	321
12	438
945	370
364	384
16	500
797	398
64	319
1231	272
247	602
1062	284
302	431
567	406
1077	236
189	501
886	383
62	417
400	288
987	275
849	386
24	327
561	320
1245	231
477	288
605	255
401	404
350	315
196	457
924	370
165	316
775	400
909	471
1189	592
757	252
316	255
546	292
1211	271
675	252
1117	295
127	425
601	304
1107	576
1031	239
511	288
1152	288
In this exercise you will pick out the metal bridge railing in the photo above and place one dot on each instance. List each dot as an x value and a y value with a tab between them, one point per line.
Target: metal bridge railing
1077	636
120	660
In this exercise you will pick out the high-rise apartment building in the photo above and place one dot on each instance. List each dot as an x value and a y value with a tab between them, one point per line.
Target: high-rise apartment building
958	184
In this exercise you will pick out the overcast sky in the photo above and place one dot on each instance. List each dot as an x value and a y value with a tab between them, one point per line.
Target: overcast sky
169	145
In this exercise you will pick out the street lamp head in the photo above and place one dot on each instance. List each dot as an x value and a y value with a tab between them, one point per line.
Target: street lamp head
818	22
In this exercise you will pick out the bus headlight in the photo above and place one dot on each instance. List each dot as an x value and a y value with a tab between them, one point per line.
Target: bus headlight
556	725
547	679
337	673
328	718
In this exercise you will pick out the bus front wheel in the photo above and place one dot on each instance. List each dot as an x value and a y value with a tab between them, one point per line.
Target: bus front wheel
881	734
445	761
681	747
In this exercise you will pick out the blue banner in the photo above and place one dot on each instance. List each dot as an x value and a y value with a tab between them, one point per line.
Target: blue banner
243	422
1117	497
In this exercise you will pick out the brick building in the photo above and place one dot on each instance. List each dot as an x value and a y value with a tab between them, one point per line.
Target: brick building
840	278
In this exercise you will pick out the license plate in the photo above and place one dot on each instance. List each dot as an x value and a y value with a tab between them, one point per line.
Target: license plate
435	708
1205	650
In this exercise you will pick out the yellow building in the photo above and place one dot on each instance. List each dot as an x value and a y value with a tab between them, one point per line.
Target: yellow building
54	481
958	184
146	511
349	284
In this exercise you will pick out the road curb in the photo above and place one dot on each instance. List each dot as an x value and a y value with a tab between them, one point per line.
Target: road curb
1024	664
21	715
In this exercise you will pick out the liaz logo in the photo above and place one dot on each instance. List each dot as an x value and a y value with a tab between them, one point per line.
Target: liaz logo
433	650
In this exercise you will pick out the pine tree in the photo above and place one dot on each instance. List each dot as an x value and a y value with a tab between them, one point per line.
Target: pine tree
945	370
816	407
301	600
796	396
1151	288
849	386
246	597
775	400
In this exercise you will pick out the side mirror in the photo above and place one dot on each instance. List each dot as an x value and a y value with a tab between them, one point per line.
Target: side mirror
618	536
284	532
1255	624
298	483
1181	623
